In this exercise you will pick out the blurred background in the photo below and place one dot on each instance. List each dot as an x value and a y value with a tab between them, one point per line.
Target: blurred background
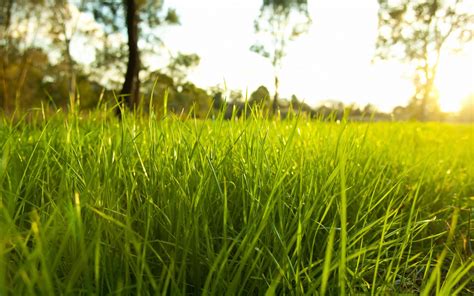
400	59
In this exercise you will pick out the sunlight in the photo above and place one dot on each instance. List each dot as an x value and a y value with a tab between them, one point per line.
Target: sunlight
450	103
455	79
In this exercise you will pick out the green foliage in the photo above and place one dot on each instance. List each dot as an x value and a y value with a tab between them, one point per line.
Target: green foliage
22	77
181	64
13	46
93	206
186	99
261	96
31	80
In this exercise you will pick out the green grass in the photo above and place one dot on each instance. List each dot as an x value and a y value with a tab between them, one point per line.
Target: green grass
93	206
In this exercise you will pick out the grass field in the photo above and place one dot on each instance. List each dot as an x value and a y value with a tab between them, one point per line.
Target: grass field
94	206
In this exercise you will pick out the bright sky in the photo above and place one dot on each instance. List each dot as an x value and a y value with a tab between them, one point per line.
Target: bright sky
333	61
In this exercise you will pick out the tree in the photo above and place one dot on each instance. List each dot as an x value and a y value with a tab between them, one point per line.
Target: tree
298	105
131	85
261	96
218	98
156	88
35	84
369	110
15	16
5	21
417	32
181	64
64	26
279	21
193	98
140	18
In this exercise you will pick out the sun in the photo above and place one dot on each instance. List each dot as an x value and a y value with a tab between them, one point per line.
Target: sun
454	86
455	79
452	94
450	104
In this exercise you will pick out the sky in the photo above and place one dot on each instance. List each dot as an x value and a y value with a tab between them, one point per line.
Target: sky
333	61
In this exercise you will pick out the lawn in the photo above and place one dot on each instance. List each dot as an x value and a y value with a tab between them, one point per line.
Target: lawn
244	207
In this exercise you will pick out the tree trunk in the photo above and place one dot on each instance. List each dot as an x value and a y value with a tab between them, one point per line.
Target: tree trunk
9	14
275	97
429	97
4	60
131	86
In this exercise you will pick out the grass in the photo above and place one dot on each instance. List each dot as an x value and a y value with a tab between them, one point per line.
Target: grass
93	206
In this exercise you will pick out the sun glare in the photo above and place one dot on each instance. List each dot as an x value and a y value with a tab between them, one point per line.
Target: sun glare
450	105
456	79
